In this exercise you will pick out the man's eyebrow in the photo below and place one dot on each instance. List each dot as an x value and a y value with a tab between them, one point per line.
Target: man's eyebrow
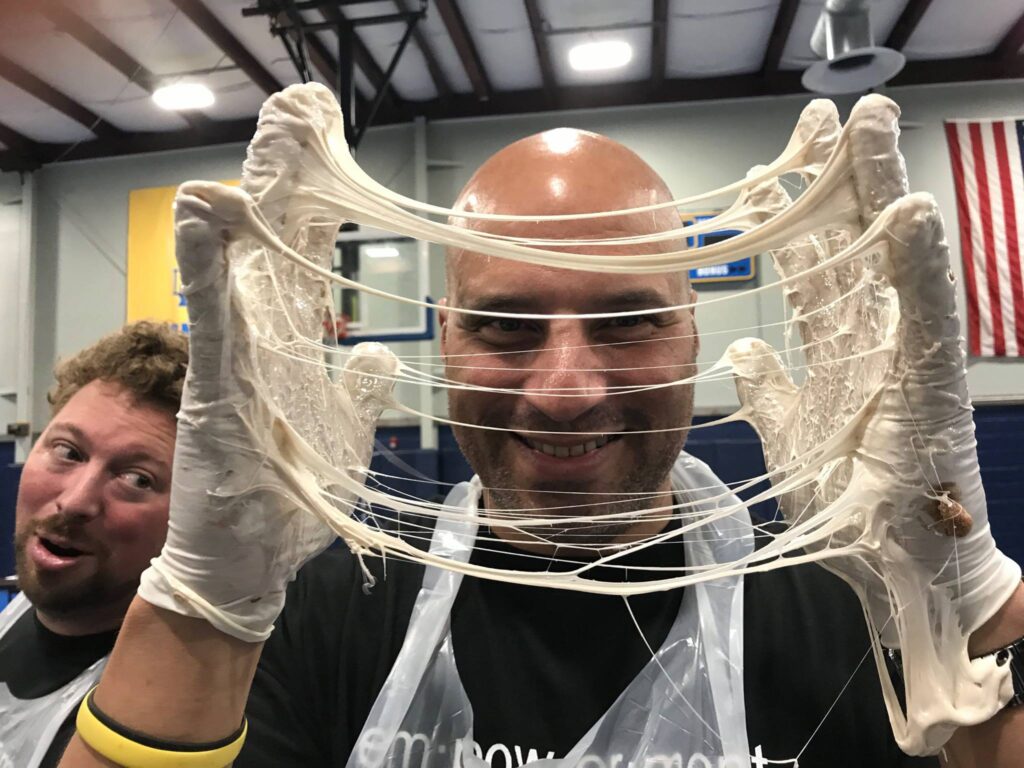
503	302
131	454
618	301
634	298
71	428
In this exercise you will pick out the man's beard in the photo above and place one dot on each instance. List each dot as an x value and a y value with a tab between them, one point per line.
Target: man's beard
640	491
642	487
60	594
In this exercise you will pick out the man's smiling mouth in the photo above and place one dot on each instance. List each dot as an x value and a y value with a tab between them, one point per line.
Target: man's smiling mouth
567	450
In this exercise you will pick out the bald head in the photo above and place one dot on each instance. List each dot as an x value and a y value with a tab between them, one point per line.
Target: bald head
564	171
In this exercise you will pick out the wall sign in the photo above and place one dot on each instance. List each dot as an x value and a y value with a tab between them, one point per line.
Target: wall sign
742	269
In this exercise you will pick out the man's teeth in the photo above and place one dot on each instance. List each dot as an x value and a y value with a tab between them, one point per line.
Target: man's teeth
565	451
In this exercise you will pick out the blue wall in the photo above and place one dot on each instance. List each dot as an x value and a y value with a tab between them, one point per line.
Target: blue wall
733	450
9	475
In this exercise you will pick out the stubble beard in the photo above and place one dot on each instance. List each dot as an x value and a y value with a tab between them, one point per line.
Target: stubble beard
65	594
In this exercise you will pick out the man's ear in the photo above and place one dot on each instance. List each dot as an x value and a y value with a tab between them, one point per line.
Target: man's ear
442	320
693	313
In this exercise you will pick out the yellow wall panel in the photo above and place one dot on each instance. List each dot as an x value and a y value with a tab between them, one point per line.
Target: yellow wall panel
154	288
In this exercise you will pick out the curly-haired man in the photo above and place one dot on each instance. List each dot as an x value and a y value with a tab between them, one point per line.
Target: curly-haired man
91	512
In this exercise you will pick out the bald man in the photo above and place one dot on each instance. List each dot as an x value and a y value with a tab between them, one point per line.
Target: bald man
542	669
427	669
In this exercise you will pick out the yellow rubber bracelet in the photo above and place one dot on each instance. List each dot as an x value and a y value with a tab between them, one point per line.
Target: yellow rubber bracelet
129	753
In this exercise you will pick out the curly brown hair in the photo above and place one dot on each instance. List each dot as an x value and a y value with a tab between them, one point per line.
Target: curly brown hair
148	359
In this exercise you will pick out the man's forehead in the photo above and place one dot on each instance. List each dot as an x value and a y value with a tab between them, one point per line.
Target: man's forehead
495	284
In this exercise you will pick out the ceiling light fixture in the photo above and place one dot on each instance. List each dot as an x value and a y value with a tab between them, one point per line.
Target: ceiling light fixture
603	54
182	96
851	62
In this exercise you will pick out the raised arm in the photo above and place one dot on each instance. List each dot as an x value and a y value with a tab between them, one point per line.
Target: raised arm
181	670
884	420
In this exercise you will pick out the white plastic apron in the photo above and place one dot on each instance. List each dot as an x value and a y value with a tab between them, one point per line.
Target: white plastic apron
28	726
684	710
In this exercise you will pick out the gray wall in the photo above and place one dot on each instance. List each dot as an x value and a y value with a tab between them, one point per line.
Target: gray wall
82	207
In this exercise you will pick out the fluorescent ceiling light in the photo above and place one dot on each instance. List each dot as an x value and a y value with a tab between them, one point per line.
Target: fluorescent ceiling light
380	251
604	54
180	96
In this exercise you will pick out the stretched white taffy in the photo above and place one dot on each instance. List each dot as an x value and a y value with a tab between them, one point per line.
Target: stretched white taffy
237	534
885	381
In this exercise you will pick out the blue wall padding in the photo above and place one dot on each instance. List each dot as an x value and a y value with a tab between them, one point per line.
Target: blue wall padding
733	450
1000	431
10	473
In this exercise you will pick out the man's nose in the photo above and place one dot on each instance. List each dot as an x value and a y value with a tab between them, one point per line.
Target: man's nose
567	378
81	495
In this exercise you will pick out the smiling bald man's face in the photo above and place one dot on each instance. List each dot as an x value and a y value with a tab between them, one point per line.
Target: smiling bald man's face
570	371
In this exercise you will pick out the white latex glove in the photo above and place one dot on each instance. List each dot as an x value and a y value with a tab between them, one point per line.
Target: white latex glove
885	383
239	529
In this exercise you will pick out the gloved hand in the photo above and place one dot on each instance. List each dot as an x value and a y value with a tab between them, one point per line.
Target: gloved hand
242	502
884	415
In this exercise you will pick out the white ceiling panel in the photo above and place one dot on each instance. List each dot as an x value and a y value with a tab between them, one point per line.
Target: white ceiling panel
237	96
953	28
639	67
35	120
561	14
62	62
798	54
444	50
154	32
503	38
707	38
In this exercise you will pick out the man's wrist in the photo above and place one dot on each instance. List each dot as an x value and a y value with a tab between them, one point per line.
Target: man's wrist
1004	628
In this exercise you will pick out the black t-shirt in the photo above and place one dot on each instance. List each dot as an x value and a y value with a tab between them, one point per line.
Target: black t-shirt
35	662
540	666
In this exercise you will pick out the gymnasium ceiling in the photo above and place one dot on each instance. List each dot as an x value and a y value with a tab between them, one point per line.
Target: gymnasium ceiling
76	75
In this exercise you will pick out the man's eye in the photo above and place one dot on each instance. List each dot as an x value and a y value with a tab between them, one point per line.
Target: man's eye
139	480
631	321
508	324
66	452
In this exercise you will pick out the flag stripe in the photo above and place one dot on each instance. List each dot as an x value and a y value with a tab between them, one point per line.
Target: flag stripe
999	258
988	239
987	158
964	211
977	245
1015	289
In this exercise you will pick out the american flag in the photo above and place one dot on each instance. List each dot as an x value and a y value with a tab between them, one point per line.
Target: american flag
989	178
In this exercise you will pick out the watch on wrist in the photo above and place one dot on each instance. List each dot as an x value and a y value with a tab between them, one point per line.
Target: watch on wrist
1012	654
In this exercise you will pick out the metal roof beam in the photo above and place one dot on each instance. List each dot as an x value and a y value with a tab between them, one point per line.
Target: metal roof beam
217	132
1007	53
540	42
468	54
777	40
223	38
46	93
906	24
23	154
85	33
